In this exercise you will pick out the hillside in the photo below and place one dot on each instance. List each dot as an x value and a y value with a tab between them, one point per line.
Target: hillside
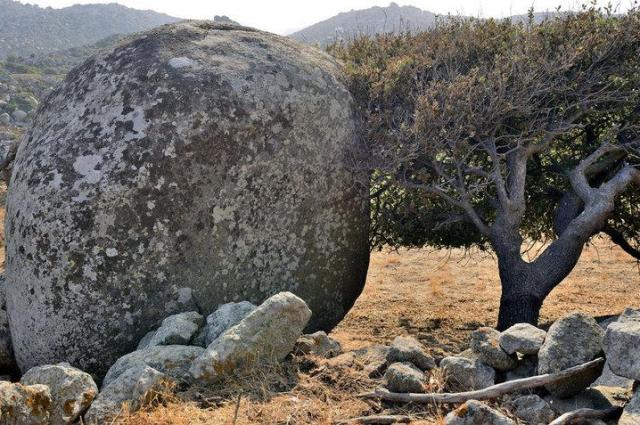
28	29
370	21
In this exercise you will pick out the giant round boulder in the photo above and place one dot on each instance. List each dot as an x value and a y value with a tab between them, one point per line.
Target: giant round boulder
194	165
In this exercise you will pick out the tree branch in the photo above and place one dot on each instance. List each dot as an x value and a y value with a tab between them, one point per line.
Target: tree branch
491	392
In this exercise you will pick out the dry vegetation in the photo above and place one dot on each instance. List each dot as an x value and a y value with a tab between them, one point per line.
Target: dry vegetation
437	296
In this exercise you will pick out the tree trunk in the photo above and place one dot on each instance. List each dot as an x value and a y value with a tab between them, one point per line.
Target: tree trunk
526	285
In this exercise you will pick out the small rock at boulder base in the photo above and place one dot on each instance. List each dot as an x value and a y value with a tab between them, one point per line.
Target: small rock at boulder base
408	349
266	335
621	344
225	317
71	389
522	338
404	378
631	412
572	340
485	343
7	361
319	344
532	409
475	413
371	360
133	387
178	329
24	405
172	360
463	374
194	165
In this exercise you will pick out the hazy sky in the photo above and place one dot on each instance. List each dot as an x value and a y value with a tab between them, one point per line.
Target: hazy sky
285	16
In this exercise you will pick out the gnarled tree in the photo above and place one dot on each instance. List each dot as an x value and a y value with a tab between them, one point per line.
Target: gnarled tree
487	133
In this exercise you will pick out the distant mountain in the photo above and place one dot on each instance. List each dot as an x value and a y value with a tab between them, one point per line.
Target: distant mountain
27	29
375	20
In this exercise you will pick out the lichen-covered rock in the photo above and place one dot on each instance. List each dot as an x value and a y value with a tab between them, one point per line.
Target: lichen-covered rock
71	389
463	374
172	360
571	341
476	413
621	344
631	412
485	343
24	405
522	338
7	361
532	409
408	349
404	378
319	344
225	317
178	329
266	335
131	387
196	164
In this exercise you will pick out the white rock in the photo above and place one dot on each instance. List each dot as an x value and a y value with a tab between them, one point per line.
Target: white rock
178	329
522	338
467	374
475	413
71	389
132	386
621	345
225	317
172	360
268	334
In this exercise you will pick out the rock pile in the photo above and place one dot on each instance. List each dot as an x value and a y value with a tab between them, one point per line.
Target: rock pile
169	357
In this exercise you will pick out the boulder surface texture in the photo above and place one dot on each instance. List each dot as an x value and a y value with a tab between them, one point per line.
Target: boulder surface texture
194	165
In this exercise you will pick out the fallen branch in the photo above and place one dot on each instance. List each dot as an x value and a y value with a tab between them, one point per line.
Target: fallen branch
383	419
579	415
491	392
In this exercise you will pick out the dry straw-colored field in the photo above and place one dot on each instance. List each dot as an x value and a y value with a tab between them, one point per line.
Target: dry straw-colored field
437	296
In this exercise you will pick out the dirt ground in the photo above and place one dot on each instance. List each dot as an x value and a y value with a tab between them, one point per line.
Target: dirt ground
436	296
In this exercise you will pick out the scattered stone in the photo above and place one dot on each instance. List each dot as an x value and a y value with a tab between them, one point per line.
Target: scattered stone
19	115
610	379
532	409
571	341
178	329
172	360
132	386
621	342
371	360
404	378
5	118
7	361
463	374
225	317
631	412
408	349
522	338
71	389
475	413
24	405
485	343
527	367
319	344
598	398
185	190
268	334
